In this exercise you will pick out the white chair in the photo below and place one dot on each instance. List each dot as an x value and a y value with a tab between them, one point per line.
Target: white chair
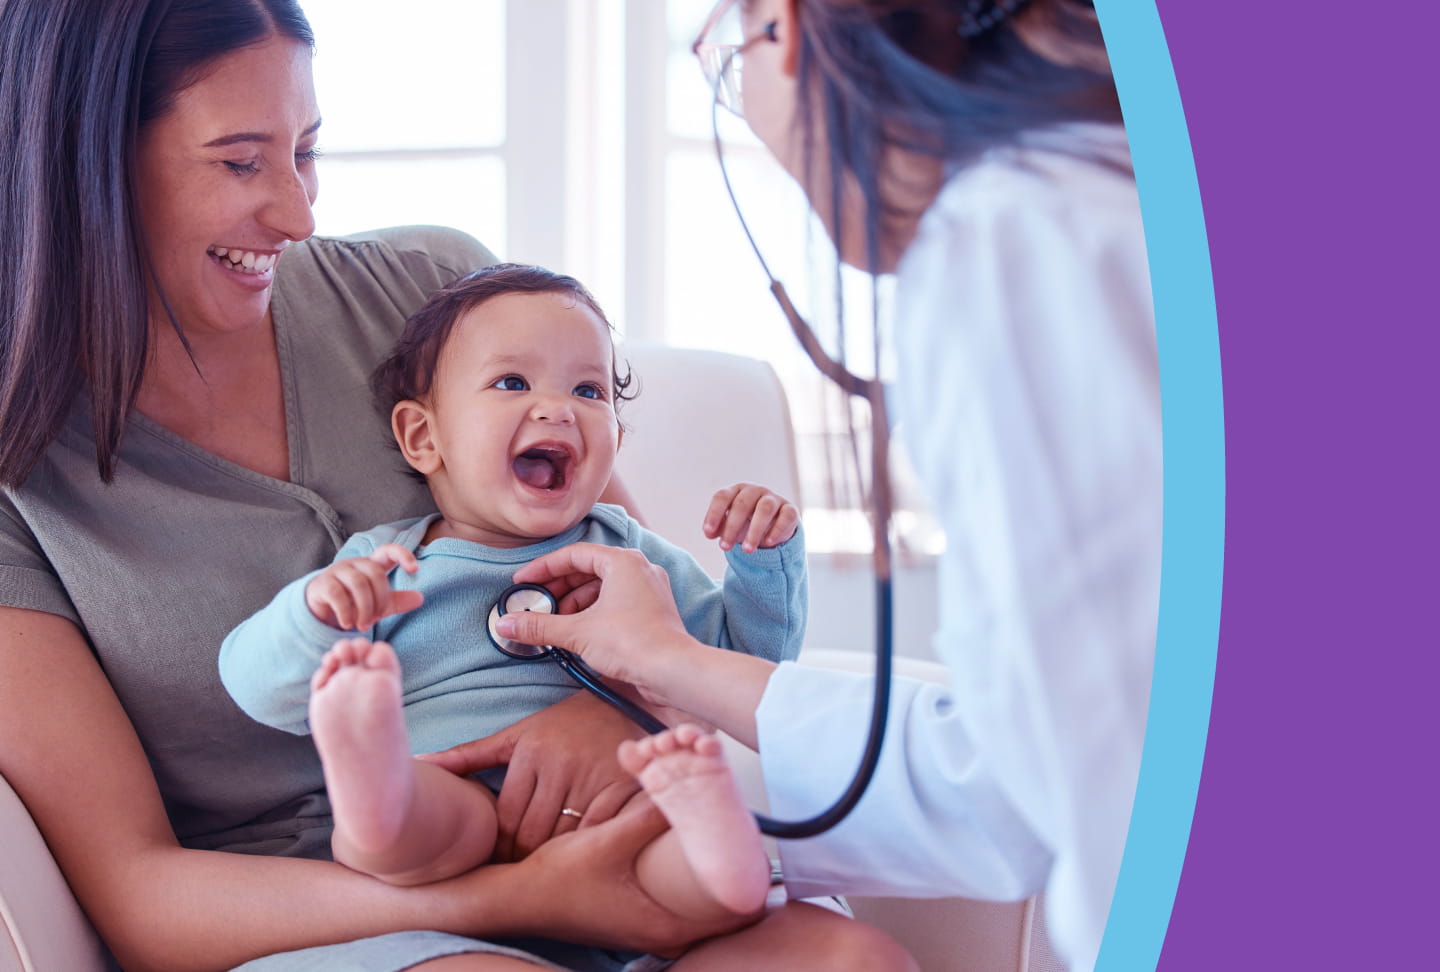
42	929
702	420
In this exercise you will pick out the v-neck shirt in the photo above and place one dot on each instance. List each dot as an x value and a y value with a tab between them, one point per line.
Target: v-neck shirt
158	565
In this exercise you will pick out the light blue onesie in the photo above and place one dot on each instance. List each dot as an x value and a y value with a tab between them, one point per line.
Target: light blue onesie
457	686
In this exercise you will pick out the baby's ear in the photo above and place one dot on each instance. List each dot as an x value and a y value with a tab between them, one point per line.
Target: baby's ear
410	421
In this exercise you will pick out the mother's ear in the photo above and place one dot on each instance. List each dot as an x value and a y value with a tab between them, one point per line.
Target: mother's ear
410	421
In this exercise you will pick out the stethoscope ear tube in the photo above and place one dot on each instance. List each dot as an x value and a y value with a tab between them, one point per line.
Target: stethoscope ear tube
873	391
826	819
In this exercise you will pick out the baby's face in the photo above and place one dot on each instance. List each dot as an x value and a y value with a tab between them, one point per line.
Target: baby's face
522	416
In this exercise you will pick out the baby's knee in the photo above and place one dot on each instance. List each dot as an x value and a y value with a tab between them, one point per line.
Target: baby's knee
847	945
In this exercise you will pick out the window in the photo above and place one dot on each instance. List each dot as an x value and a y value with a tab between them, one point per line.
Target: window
576	134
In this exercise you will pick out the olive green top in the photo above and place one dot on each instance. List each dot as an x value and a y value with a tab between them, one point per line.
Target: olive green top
158	566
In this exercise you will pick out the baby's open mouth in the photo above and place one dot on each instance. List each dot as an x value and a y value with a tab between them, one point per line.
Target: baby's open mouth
544	467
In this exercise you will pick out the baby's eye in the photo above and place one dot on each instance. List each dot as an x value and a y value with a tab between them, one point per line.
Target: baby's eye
511	383
590	390
242	168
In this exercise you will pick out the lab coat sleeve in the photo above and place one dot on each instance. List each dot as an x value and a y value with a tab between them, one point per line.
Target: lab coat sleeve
267	661
933	822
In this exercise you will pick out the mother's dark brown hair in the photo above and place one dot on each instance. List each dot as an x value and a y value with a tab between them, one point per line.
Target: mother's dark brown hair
79	79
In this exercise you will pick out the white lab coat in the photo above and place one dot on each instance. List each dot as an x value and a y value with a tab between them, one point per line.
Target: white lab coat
1027	394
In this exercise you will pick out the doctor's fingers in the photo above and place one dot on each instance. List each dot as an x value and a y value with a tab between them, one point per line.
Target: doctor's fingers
533	628
581	597
593	559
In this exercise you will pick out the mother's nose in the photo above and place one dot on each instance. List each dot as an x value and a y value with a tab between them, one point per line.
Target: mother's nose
288	205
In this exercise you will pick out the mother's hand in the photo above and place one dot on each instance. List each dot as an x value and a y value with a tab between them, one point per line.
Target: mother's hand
628	615
582	887
560	757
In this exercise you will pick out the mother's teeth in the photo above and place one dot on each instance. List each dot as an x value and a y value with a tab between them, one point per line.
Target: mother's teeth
246	260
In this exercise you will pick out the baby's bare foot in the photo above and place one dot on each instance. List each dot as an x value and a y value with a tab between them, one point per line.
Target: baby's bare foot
686	775
359	729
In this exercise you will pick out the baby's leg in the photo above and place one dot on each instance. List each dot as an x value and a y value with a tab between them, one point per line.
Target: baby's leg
712	859
800	937
398	819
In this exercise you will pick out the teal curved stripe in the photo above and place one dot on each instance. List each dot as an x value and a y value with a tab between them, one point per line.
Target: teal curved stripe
1193	435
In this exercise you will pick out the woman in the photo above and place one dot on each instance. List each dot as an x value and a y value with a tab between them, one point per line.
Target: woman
974	149
181	382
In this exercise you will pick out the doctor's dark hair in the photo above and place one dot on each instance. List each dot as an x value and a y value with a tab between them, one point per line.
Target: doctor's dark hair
79	80
408	373
924	76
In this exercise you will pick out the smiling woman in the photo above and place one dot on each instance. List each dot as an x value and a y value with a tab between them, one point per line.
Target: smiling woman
182	432
225	185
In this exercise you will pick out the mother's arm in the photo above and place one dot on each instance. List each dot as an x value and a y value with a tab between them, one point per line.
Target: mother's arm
72	756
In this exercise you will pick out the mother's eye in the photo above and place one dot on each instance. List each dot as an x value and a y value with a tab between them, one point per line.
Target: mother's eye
511	383
242	168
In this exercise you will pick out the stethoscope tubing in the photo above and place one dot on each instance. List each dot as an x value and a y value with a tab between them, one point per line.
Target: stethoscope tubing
589	679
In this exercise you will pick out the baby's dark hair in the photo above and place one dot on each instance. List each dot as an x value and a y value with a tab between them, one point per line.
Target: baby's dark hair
409	370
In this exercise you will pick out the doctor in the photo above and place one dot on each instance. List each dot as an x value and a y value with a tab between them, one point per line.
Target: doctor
975	149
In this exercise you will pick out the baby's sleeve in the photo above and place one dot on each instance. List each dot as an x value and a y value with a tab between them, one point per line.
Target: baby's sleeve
267	661
767	599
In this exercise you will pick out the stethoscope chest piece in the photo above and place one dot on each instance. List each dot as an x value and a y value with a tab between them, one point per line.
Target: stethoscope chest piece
520	597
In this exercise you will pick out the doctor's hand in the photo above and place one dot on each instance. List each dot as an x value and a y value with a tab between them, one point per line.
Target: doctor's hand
628	617
752	516
563	756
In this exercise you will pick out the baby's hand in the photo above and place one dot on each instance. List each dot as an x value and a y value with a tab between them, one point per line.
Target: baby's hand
751	515
354	593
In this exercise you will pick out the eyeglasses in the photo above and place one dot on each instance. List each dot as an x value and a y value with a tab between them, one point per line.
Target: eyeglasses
720	62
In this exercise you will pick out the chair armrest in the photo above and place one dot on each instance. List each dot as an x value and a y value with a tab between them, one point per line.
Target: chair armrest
42	928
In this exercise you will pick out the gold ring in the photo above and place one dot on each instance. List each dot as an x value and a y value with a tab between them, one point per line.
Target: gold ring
570	812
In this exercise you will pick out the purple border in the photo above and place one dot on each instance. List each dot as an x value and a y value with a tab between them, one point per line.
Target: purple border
1314	838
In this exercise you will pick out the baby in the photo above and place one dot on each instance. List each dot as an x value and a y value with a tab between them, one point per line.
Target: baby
502	394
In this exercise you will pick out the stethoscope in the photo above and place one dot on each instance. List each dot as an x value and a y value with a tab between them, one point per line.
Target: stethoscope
533	597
